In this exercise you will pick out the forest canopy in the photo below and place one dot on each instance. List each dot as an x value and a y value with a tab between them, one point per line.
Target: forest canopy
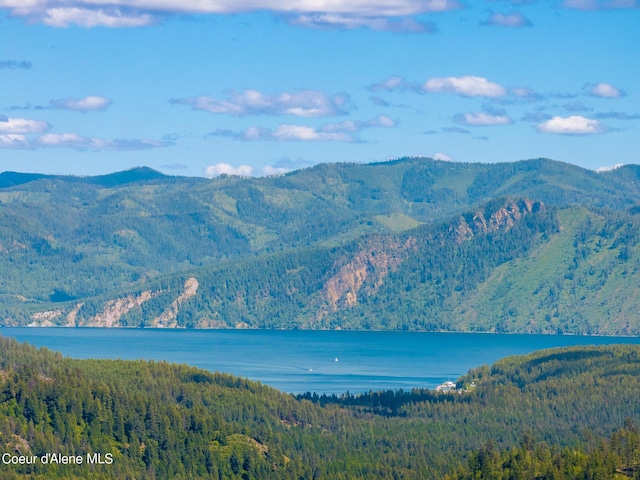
563	410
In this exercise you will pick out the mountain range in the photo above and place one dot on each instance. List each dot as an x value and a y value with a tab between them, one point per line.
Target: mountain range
535	246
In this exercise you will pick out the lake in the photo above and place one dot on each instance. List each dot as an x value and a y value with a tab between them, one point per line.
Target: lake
301	361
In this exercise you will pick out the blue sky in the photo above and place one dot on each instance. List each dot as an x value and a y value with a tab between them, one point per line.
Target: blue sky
255	87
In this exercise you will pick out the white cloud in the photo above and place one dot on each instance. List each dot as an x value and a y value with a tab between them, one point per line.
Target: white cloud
605	90
286	132
345	22
135	13
609	168
345	126
443	157
380	121
303	103
85	17
468	86
80	142
526	93
483	119
63	140
305	134
13	141
226	169
270	170
573	125
14	131
600	4
22	125
175	166
392	83
286	164
581	4
329	132
507	20
86	104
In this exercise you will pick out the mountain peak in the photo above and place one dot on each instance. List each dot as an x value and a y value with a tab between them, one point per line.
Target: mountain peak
136	174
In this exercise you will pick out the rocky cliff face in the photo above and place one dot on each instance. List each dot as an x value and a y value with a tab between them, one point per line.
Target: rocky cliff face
168	317
503	218
115	309
363	274
366	271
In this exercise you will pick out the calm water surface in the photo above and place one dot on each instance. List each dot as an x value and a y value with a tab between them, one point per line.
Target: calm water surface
301	361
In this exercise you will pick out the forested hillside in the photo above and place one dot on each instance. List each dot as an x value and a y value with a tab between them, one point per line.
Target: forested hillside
574	410
414	244
617	457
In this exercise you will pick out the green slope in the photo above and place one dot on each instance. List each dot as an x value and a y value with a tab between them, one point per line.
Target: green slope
545	271
584	281
299	250
159	420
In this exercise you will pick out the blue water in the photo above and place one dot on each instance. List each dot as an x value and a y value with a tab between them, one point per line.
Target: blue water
301	361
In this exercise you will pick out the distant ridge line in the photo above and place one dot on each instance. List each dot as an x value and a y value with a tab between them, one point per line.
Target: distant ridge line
137	174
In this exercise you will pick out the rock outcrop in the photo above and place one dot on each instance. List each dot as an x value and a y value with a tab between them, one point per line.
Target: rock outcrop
167	319
503	218
367	268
